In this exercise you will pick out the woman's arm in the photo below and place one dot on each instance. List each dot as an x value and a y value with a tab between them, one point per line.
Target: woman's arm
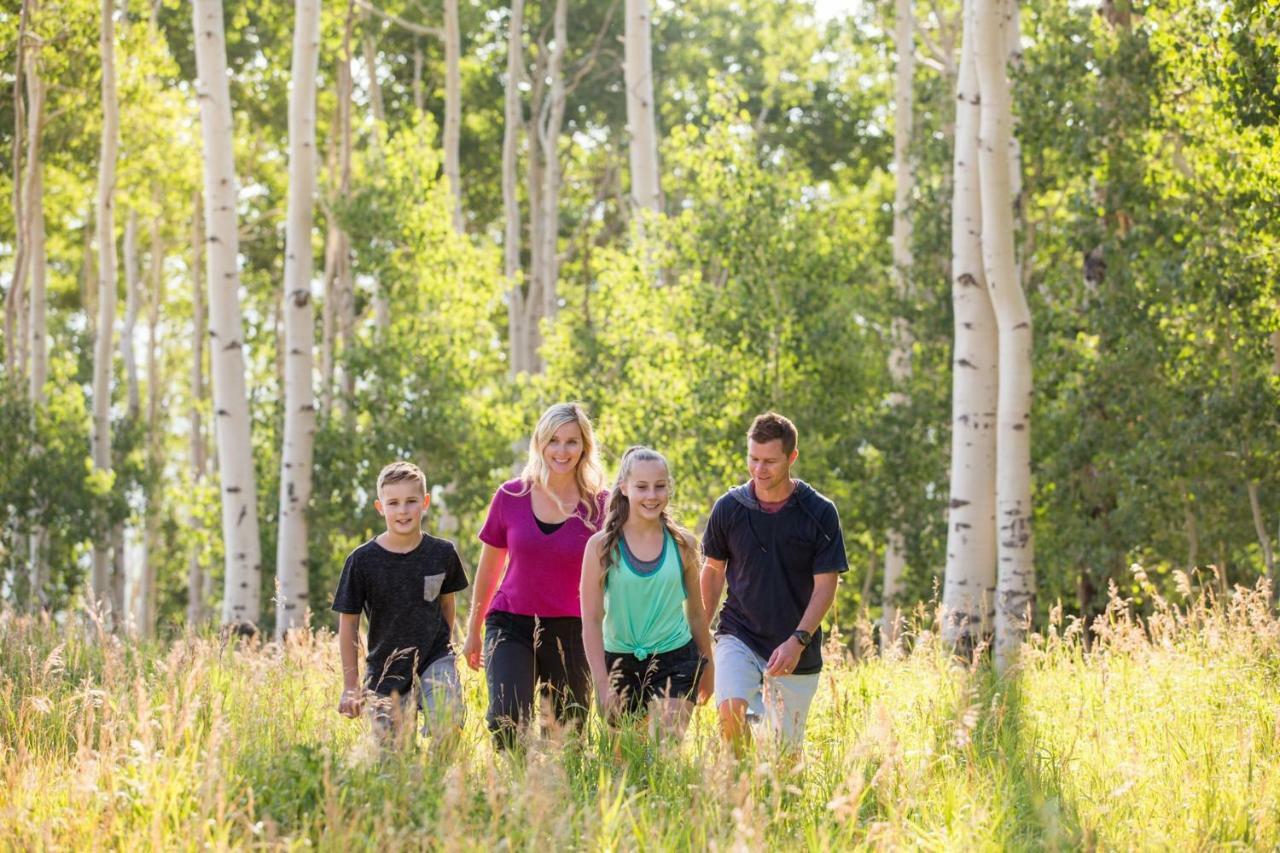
699	623
489	572
591	593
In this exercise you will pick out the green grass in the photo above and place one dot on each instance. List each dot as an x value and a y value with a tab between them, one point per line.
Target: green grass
1164	733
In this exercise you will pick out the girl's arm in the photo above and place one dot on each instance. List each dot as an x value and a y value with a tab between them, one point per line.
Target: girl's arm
591	592
493	562
699	623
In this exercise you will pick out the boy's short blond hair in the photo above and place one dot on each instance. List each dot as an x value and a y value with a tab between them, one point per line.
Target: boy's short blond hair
397	472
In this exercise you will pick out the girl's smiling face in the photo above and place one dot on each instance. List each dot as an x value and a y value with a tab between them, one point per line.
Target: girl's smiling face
648	488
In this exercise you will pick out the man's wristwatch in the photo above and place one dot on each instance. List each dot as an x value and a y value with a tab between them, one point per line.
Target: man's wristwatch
804	637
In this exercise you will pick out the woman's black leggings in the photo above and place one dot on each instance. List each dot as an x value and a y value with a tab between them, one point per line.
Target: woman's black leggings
520	652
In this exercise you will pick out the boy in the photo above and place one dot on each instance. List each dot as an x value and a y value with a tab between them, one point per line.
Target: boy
404	581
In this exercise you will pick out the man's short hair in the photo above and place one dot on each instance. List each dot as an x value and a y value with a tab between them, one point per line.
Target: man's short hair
772	426
397	472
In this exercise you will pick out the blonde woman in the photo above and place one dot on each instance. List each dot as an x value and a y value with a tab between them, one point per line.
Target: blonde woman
526	585
643	623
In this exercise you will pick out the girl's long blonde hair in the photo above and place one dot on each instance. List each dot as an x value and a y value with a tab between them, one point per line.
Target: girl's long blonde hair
589	474
620	510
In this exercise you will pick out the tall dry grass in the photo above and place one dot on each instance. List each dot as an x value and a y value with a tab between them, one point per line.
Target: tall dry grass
1159	732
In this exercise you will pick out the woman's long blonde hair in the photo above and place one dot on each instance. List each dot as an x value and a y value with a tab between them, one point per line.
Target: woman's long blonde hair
589	474
620	510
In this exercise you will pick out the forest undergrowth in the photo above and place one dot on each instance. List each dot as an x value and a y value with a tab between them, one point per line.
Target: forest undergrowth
1153	731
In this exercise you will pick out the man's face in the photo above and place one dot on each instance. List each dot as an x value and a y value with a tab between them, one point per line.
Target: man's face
402	504
768	465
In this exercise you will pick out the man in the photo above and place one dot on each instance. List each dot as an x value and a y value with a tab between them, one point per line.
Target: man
778	543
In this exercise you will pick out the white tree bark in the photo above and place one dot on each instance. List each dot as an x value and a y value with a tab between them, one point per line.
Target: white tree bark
33	211
299	328
132	305
513	120
895	560
195	566
969	581
1260	528
453	107
344	281
1015	576
550	129
146	616
646	192
105	218
242	595
13	297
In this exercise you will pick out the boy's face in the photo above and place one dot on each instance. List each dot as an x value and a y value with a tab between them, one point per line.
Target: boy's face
402	505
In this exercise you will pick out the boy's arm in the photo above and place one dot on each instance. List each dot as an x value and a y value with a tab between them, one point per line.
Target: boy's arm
349	649
448	609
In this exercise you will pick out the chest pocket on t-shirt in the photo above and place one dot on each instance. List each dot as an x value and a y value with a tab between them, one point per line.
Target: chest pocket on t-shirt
800	544
431	586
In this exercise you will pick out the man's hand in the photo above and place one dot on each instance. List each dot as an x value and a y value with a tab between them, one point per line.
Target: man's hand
784	658
351	702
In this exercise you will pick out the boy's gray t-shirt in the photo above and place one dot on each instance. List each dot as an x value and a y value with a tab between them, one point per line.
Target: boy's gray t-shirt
400	594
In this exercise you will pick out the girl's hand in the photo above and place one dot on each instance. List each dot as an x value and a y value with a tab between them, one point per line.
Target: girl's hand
351	702
473	650
606	700
706	683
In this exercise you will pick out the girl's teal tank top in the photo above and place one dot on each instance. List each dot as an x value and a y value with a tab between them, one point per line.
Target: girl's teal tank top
644	613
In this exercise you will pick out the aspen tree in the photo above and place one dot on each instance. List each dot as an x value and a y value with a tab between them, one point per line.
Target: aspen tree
105	218
242	595
299	327
517	329
641	122
895	561
453	107
969	580
1015	567
195	569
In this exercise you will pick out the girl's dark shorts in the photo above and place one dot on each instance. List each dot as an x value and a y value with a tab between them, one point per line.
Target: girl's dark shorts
669	675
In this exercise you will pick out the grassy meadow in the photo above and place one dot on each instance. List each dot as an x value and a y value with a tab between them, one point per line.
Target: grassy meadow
1163	733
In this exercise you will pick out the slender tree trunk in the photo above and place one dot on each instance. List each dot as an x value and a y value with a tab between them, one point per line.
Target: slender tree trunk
242	596
155	427
1015	581
969	588
646	192
550	129
1264	538
132	305
195	568
1192	529
453	108
101	578
299	397
344	284
33	212
13	298
537	213
895	561
517	330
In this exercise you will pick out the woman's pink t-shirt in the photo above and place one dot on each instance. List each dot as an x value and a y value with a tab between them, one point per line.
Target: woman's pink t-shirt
543	569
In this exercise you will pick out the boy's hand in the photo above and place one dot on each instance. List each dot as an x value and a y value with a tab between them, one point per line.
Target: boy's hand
706	683
472	650
351	702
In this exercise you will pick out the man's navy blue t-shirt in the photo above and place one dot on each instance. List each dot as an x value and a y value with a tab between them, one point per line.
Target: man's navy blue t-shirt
400	593
771	560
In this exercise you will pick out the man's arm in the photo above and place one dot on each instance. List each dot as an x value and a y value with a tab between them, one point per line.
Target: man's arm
448	609
349	649
784	658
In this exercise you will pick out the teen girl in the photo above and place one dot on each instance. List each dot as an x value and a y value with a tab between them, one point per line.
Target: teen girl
643	624
526	585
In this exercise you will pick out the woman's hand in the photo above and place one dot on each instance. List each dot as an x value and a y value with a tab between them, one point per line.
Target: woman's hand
473	649
706	683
